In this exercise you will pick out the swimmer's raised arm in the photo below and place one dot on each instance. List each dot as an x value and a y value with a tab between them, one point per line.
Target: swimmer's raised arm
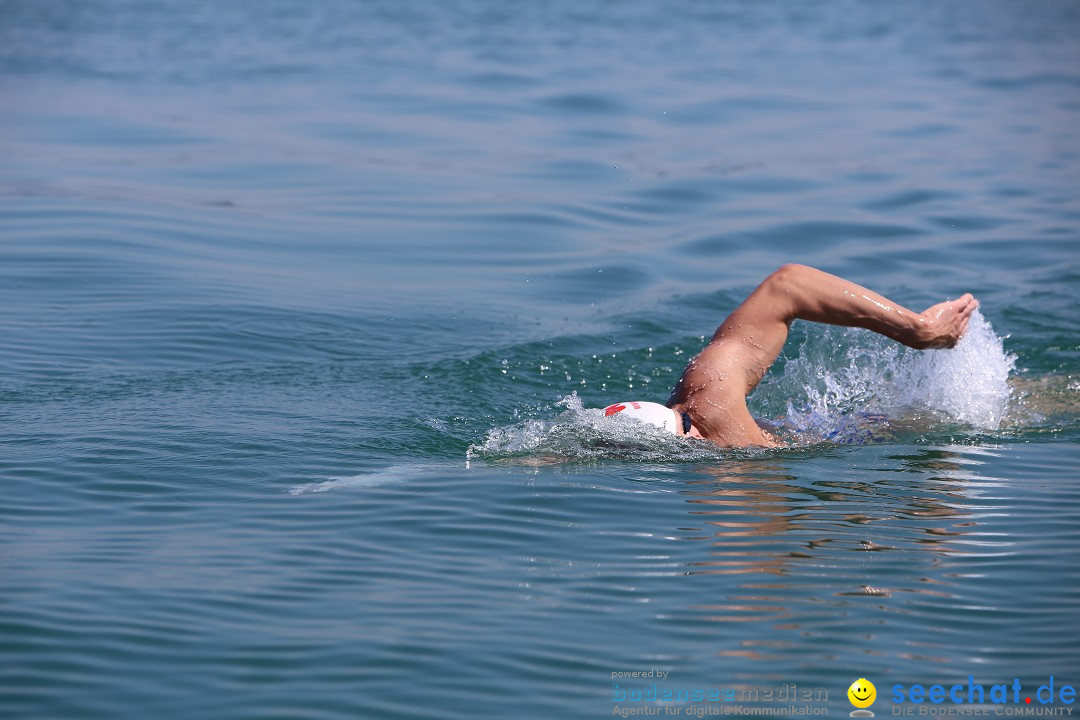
715	384
798	291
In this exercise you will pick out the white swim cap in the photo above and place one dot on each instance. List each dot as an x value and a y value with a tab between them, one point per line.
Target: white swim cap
647	412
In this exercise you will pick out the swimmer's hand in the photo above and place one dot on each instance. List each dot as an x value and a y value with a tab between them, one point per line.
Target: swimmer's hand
942	325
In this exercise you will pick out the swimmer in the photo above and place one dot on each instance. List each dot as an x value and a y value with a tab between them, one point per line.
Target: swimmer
709	400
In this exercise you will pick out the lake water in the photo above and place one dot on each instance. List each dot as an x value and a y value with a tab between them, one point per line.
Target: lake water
305	306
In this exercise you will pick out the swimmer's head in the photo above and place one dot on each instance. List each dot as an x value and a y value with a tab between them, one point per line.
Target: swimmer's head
647	412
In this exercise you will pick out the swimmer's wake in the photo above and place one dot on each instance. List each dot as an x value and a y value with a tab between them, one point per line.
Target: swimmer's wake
386	476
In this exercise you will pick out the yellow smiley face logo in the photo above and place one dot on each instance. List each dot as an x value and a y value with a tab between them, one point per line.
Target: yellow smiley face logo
862	693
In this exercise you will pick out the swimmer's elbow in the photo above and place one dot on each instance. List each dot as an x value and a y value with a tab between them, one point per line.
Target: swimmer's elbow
785	288
792	268
782	276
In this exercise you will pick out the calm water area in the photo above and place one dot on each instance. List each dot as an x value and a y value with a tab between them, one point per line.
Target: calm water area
306	308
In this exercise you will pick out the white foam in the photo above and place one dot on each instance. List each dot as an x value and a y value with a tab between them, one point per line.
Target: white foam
969	383
581	433
843	371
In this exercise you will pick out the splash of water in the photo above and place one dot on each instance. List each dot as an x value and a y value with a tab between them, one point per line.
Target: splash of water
845	380
583	434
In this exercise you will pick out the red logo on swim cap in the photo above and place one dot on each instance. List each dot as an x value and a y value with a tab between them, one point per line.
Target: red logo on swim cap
612	409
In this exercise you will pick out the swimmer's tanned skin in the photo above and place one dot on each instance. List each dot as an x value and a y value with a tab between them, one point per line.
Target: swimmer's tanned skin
714	386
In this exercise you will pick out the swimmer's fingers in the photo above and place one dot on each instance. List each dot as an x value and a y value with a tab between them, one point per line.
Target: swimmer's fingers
968	305
942	325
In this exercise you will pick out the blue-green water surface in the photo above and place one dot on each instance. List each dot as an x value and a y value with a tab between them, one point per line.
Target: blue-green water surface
303	304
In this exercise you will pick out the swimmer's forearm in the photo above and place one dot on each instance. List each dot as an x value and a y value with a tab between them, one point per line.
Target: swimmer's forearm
810	294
